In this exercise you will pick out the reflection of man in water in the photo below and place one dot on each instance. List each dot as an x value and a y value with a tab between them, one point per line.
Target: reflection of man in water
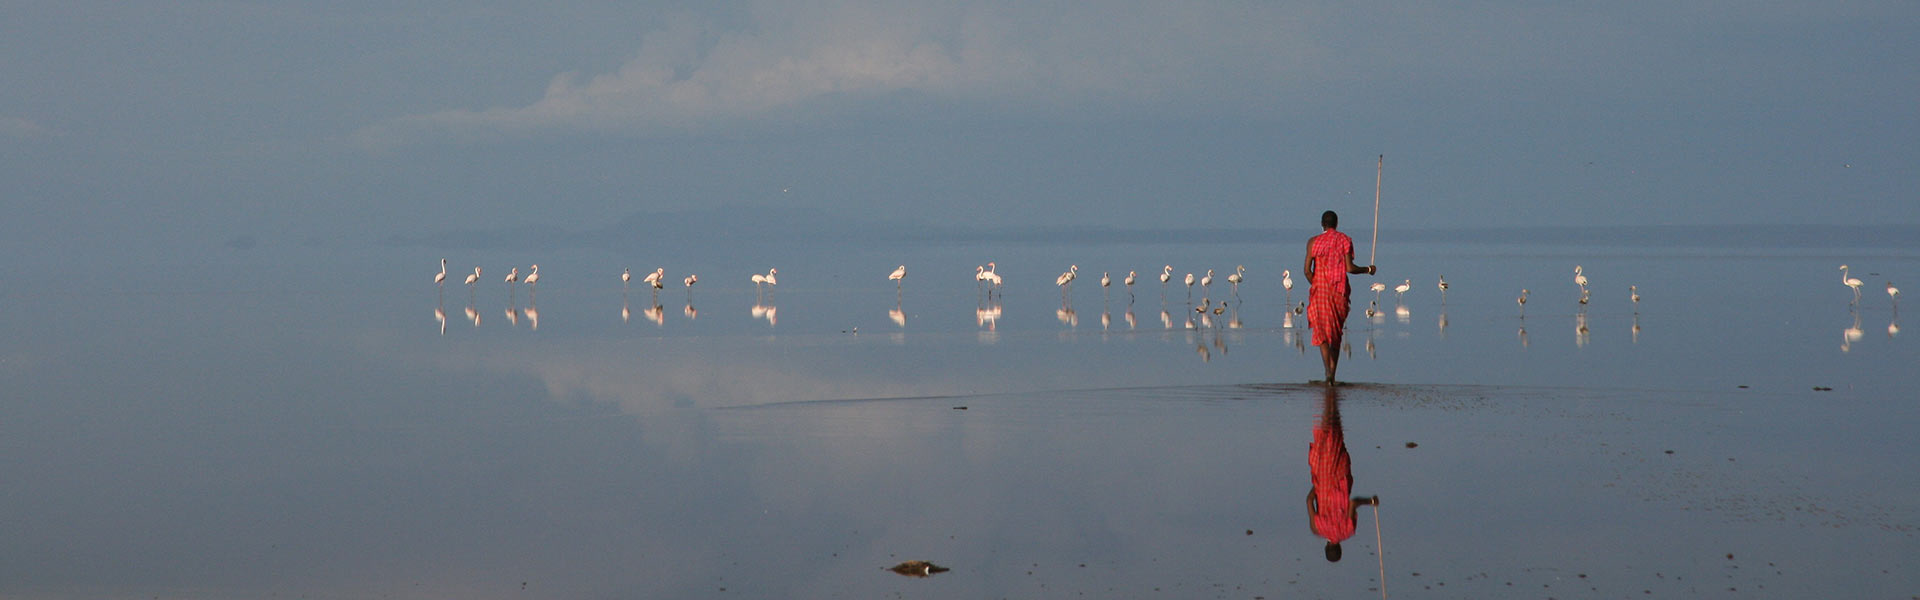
1330	506
1329	260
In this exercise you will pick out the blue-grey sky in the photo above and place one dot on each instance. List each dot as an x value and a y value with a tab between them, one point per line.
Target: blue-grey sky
142	127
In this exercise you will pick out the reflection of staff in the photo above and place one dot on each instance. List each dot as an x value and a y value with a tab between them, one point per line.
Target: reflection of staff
1379	548
1330	504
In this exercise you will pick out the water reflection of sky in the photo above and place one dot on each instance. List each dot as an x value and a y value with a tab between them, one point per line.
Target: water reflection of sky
285	437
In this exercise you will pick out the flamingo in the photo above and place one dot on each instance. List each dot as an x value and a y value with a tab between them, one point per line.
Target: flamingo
1377	289
1166	273
441	279
690	280
1633	292
533	279
1523	303
626	276
474	278
1239	275
1131	277
1189	281
1893	293
759	281
1105	282
512	276
1850	282
1401	290
1579	278
1066	279
1206	283
897	275
1286	281
771	281
1443	289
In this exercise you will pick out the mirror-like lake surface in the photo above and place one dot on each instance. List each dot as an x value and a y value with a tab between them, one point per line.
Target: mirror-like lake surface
338	427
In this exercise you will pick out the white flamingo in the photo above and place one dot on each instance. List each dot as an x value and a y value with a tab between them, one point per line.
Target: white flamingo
441	279
1166	273
898	274
533	279
1633	292
1523	303
512	276
1189	281
1400	291
1065	280
1443	289
1579	278
653	279
771	280
1850	282
1286	281
626	276
1377	289
1893	293
474	278
1206	283
1239	274
690	280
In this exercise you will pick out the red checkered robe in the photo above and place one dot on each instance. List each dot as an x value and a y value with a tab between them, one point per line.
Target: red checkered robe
1329	302
1330	507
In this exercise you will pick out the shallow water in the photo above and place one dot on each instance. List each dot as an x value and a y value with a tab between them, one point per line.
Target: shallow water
259	431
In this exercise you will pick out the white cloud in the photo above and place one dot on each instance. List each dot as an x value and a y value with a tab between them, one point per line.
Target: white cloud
691	75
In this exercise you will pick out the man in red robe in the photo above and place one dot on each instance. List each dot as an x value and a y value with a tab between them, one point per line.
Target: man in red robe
1329	260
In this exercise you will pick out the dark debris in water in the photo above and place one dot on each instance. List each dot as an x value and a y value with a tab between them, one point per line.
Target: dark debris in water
917	568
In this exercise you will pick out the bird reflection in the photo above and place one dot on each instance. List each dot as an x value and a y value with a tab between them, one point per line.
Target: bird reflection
655	313
1523	336
1370	347
624	313
1403	315
1443	324
1893	328
987	316
1205	354
1166	319
1851	334
1106	320
473	316
1131	321
440	314
898	316
1636	328
691	312
1067	316
1331	505
768	312
513	316
533	317
1580	329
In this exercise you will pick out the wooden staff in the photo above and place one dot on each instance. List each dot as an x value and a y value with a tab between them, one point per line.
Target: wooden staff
1379	549
1378	170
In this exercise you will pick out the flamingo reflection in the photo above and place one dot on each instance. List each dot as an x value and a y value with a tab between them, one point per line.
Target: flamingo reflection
440	314
899	317
1331	505
655	313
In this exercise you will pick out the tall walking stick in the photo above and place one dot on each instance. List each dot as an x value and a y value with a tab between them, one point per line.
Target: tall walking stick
1379	549
1378	170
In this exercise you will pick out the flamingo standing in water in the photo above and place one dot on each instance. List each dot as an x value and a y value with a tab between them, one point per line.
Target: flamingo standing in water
1523	303
441	279
1131	276
1189	281
472	279
1065	280
1286	281
1400	291
1166	273
1633	293
626	276
512	276
690	280
1239	275
1893	293
898	274
1443	289
1850	282
1377	289
1206	284
533	279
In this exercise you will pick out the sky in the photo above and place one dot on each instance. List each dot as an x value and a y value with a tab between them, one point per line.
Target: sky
168	128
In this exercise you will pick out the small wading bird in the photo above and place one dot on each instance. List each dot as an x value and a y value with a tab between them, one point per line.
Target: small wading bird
1400	291
1443	289
1206	283
1850	282
1065	280
1633	292
1579	278
1131	276
1523	303
472	279
653	279
1286	281
512	276
1377	289
898	274
441	279
1239	275
1166	273
1189	281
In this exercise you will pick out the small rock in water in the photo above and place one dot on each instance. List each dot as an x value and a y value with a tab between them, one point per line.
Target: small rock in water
1412	445
917	568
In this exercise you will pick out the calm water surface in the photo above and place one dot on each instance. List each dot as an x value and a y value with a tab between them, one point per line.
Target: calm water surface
336	428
